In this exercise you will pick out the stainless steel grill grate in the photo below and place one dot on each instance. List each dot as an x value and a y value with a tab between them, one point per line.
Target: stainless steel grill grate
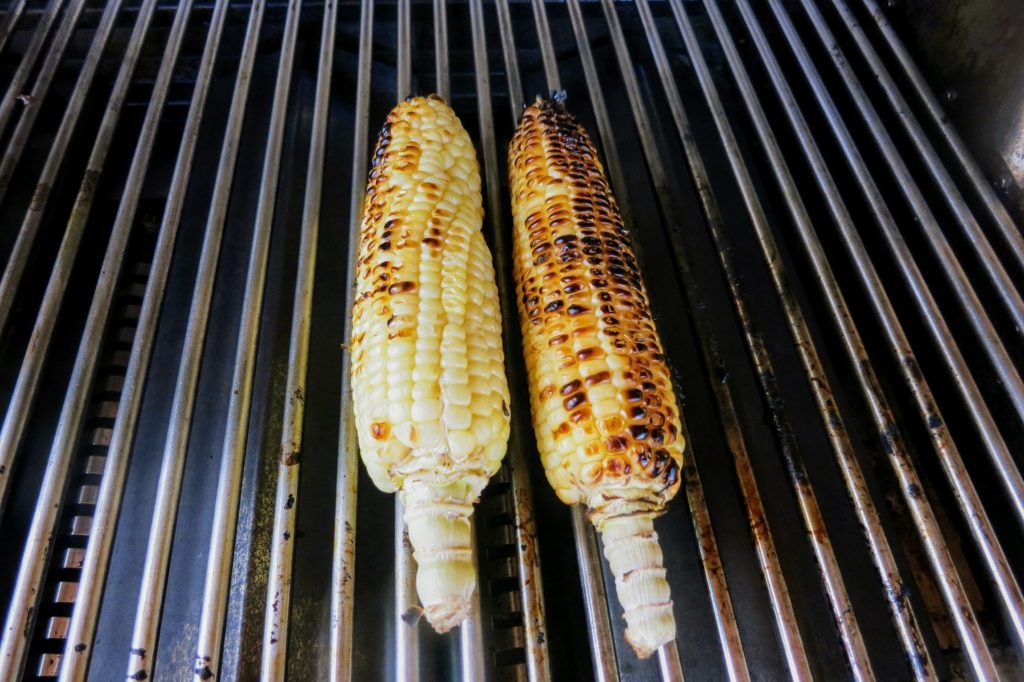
838	285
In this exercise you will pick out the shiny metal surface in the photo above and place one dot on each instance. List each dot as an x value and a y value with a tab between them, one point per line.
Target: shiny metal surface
82	625
882	554
406	608
965	55
225	516
853	503
16	88
471	643
43	530
10	21
924	516
981	527
279	588
35	95
25	390
782	607
528	575
725	618
168	493
343	564
595	597
18	257
964	289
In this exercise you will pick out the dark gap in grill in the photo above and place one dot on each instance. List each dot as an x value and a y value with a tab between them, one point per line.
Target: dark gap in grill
76	517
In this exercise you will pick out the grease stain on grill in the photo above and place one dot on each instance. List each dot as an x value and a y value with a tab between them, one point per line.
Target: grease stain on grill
289	454
39	197
890	435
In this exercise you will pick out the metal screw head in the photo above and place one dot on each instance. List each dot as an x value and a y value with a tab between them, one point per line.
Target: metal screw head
950	95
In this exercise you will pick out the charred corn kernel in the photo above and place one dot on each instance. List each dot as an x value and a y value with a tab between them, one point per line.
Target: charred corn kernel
428	375
606	419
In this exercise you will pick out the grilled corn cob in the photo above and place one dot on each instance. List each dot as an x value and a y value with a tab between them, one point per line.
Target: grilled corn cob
428	375
604	412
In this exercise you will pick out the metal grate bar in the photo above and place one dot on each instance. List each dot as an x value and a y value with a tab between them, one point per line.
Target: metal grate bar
924	517
950	193
35	98
406	617
595	598
1008	230
953	590
42	333
508	48
964	379
279	589
991	264
547	48
404	64
974	310
529	583
716	70
940	331
782	607
28	62
443	84
225	515
824	553
82	628
471	645
34	559
881	552
714	575
165	510
344	555
18	259
407	621
10	21
949	457
863	506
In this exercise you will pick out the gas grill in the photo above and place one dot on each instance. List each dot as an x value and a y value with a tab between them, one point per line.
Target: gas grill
836	279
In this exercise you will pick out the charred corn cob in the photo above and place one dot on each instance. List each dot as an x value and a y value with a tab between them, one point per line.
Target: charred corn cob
604	412
428	375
